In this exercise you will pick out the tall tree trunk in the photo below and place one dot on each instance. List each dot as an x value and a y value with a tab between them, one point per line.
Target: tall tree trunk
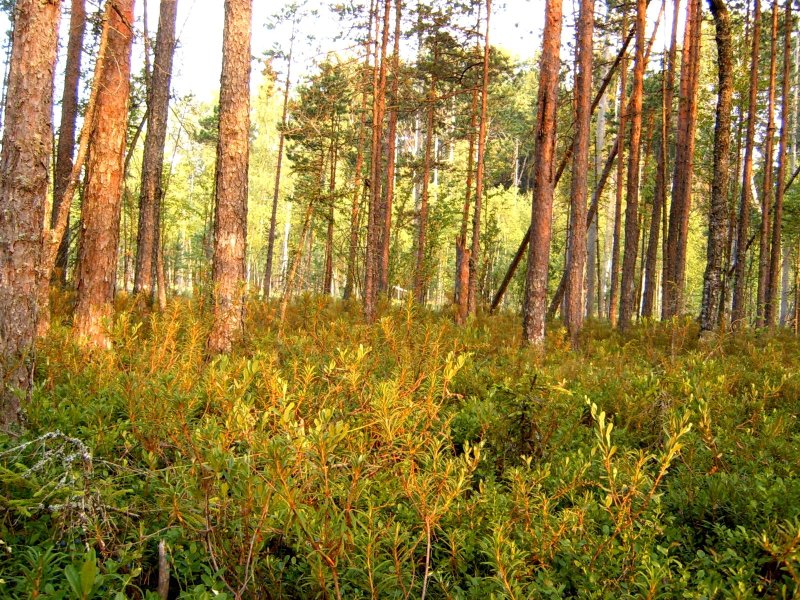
767	191
327	283
27	145
461	240
628	300
738	310
66	133
576	243
787	266
230	219
535	301
675	262
391	153
355	213
148	238
523	245
474	255
770	312
718	214
100	213
421	272
613	300
273	219
375	225
593	258
660	191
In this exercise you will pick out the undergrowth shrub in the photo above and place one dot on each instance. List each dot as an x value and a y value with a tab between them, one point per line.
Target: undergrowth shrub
405	459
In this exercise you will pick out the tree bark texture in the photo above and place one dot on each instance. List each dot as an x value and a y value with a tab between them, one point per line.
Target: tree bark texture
576	243
24	161
100	213
535	301
230	219
718	214
153	159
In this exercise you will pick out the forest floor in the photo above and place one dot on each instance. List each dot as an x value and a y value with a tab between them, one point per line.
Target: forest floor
408	459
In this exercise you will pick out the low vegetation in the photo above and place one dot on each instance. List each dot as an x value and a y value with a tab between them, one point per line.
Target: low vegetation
404	459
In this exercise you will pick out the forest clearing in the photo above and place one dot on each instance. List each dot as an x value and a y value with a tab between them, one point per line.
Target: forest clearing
399	299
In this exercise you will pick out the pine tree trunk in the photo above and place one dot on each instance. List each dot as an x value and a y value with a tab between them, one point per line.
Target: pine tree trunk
535	301
613	300
100	213
770	312
523	245
148	238
628	299
474	255
421	272
675	262
355	213
718	214
391	154
576	243
375	219
66	133
767	190
230	219
327	283
24	159
461	240
662	153
738	310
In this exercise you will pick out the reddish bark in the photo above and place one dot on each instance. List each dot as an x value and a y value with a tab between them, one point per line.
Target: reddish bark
628	300
66	133
535	301
148	239
230	219
677	239
576	243
100	212
27	145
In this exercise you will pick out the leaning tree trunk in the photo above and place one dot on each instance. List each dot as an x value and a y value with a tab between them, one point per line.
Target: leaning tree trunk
66	133
718	215
100	213
770	312
738	310
148	240
535	301
27	144
628	299
230	220
767	191
576	244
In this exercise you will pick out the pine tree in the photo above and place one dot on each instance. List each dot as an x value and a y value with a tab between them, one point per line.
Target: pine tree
230	218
